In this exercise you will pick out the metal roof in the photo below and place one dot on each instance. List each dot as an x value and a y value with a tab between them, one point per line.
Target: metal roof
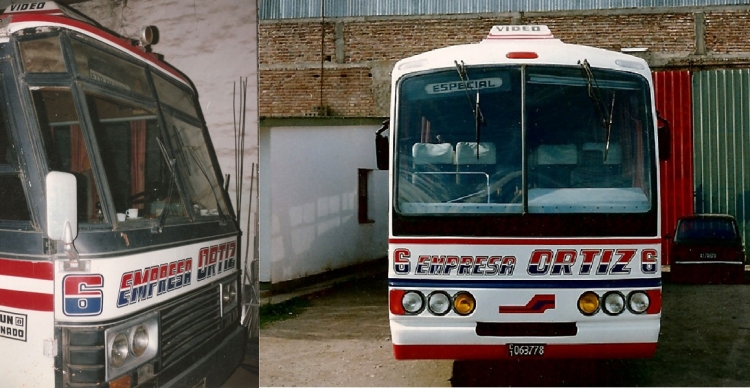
293	9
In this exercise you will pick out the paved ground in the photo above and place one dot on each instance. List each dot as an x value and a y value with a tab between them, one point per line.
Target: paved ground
246	376
342	339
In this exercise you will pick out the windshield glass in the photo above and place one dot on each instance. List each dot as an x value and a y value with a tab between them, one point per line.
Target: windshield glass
563	140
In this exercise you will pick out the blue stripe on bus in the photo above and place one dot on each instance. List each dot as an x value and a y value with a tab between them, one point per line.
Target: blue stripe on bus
526	283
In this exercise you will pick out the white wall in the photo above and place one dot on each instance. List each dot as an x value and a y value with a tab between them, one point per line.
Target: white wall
215	44
309	201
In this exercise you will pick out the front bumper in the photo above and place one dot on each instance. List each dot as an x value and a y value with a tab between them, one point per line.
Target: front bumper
628	339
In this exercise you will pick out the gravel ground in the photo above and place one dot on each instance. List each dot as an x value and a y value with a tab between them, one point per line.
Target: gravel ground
342	339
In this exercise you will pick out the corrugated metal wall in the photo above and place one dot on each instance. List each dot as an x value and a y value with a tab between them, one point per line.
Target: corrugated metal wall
290	9
673	94
721	114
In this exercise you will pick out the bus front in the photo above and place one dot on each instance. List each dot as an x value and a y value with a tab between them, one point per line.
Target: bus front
524	204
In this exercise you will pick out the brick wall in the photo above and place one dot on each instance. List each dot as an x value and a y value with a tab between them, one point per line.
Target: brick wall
356	82
728	31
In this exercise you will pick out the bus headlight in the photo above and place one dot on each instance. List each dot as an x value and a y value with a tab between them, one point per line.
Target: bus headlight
638	302
139	342
131	344
613	303
464	303
118	350
588	303
413	302
439	303
229	293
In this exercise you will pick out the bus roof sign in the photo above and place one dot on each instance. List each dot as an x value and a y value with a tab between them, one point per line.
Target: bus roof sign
520	32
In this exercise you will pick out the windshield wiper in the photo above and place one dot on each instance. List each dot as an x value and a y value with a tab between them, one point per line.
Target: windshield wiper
222	217
159	227
475	108
601	108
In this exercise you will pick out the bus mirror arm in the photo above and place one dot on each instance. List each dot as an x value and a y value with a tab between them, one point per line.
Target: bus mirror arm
382	153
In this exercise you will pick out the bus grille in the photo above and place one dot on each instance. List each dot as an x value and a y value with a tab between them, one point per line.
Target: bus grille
188	323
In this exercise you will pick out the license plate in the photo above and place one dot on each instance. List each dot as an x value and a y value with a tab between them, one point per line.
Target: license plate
525	350
708	255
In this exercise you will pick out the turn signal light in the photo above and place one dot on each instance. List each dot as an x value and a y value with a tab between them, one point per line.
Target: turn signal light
464	303
588	303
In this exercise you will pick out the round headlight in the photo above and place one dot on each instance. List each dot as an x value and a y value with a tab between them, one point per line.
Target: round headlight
439	303
413	302
638	302
229	293
139	342
118	351
464	303
613	303
588	303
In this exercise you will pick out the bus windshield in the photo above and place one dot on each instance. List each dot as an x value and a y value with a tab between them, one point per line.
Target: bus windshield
523	139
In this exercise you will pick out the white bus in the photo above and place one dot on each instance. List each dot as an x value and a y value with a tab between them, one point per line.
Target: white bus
524	201
119	249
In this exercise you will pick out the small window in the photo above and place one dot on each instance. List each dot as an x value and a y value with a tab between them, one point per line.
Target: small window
103	67
42	55
363	178
175	97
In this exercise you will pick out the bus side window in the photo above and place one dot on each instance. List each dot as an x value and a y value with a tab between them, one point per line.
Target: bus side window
13	204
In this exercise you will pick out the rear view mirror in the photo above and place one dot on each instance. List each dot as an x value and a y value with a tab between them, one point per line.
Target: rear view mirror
382	153
665	138
62	207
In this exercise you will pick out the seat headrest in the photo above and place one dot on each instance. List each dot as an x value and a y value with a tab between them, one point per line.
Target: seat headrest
557	154
429	153
614	155
466	153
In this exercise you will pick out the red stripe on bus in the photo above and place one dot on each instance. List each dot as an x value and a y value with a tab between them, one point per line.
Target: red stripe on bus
27	300
497	352
525	241
43	270
113	40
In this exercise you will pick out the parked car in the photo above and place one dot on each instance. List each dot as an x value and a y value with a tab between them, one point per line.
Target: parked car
707	249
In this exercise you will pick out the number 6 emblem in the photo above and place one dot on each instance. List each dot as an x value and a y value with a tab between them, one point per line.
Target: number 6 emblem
83	295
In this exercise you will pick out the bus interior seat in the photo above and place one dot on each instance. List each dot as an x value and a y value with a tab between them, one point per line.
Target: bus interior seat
594	170
553	165
466	154
469	162
433	165
430	153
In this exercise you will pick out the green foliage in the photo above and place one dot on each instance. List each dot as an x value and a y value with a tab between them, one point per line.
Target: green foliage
270	313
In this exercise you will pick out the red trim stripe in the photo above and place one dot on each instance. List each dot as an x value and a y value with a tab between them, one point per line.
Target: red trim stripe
42	270
524	241
113	39
27	300
483	352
